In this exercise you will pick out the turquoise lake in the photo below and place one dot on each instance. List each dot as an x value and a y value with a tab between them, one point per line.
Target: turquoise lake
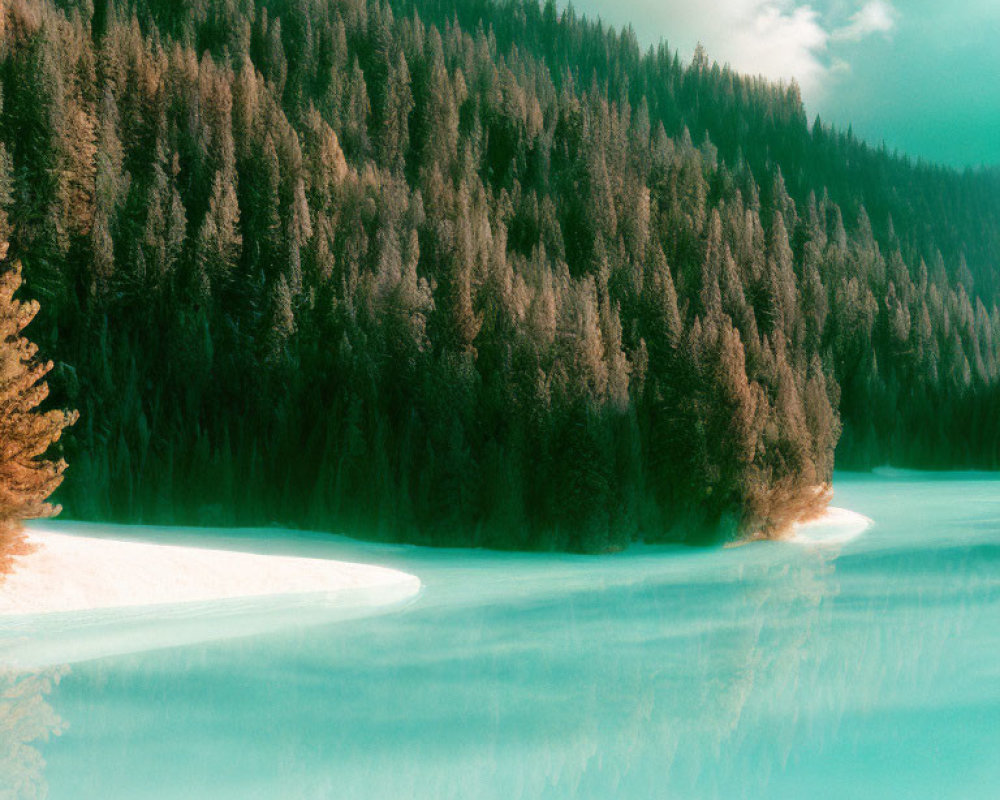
869	669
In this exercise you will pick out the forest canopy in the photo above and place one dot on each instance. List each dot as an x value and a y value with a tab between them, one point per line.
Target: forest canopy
474	273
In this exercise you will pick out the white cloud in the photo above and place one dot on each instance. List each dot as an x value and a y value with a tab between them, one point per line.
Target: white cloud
877	16
780	39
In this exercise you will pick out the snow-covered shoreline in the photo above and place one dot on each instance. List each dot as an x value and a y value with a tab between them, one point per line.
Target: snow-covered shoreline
73	573
834	526
67	573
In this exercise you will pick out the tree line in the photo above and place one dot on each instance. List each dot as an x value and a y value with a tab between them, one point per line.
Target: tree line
473	273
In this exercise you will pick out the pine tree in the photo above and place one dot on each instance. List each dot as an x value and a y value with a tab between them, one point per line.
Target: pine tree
6	188
27	477
219	241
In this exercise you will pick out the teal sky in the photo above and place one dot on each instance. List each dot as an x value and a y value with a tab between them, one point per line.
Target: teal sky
921	75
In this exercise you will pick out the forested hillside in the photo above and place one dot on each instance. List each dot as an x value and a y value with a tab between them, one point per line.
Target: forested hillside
473	272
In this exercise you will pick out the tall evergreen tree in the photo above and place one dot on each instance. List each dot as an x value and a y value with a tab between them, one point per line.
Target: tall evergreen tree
27	476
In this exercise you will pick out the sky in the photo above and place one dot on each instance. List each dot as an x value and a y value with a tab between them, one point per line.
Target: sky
921	75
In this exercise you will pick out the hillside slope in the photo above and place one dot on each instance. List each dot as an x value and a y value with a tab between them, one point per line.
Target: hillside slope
476	273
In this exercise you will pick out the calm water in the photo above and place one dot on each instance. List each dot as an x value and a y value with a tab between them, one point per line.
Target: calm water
776	670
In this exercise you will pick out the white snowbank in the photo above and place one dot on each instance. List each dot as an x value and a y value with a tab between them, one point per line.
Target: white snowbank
80	573
835	526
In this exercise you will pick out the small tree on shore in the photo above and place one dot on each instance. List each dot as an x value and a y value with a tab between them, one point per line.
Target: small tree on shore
27	477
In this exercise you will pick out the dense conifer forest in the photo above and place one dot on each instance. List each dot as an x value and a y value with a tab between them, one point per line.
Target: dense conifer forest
473	272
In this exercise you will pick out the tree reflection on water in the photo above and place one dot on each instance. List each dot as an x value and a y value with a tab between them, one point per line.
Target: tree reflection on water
26	721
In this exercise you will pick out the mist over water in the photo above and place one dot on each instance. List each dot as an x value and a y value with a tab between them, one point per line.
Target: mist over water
865	669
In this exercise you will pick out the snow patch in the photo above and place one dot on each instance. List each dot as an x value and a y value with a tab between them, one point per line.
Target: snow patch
78	573
835	526
75	598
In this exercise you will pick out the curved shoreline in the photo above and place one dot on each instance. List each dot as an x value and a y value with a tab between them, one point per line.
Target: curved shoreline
79	573
72	573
